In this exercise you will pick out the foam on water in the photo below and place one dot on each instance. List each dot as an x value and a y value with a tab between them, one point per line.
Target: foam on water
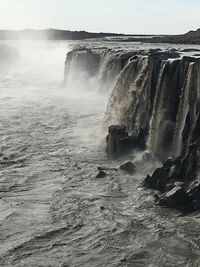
52	209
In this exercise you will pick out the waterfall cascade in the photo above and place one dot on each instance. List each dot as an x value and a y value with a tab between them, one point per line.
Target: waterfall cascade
156	91
155	95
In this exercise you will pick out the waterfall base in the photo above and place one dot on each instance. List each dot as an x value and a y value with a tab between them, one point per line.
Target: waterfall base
177	182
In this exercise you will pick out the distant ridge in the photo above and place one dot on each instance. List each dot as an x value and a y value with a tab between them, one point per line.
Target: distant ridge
51	34
193	33
191	37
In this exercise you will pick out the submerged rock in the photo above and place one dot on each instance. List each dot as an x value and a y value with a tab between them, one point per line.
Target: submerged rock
101	174
128	167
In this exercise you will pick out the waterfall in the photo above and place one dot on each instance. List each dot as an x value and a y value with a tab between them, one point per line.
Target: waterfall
94	69
156	92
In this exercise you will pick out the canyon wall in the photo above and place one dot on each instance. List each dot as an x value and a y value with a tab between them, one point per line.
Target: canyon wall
154	92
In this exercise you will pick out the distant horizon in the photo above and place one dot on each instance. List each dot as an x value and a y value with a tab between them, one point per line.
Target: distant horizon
83	30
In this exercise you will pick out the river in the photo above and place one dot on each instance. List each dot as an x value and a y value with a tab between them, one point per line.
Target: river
53	211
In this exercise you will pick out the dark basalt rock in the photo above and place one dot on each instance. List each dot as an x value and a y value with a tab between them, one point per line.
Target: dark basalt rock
164	55
175	198
158	180
128	167
178	191
186	168
194	190
170	162
139	140
118	141
194	195
101	174
190	59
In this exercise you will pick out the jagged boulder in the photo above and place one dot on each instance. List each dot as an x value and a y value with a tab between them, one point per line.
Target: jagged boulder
118	141
158	180
128	167
175	198
101	174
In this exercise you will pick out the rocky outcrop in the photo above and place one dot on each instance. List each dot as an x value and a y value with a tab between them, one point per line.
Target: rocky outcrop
118	141
176	182
158	100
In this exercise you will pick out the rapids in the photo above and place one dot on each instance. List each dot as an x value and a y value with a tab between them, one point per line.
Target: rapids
53	211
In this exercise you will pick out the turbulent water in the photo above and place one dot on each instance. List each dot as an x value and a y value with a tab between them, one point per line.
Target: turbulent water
53	211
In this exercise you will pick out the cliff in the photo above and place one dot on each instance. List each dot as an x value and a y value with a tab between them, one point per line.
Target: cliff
155	94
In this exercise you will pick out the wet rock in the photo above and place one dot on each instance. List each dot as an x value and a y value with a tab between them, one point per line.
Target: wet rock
190	59
101	174
128	167
123	260
187	168
175	198
171	185
194	190
140	140
194	195
118	141
170	162
164	55
158	180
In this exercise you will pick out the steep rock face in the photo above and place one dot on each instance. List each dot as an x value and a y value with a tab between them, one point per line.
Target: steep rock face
155	94
159	96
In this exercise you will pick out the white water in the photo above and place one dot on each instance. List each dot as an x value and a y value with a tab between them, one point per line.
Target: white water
53	210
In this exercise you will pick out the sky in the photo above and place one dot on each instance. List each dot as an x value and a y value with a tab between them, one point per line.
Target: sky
121	16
